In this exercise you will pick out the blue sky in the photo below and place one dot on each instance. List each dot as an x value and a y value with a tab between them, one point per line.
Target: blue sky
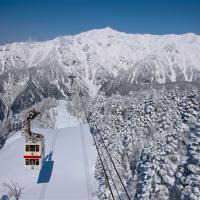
21	20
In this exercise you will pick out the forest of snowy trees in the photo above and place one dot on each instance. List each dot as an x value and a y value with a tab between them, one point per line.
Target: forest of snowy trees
152	135
15	122
154	139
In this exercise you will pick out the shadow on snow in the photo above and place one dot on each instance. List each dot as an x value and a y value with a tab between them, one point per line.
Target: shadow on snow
4	197
46	170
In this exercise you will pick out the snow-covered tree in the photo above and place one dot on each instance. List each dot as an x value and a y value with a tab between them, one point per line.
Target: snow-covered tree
13	189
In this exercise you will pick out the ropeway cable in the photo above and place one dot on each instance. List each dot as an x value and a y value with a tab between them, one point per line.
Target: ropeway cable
99	154
104	160
106	176
112	178
106	150
113	163
109	171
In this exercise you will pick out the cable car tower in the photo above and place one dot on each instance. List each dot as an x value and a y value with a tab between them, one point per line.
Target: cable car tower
71	90
34	148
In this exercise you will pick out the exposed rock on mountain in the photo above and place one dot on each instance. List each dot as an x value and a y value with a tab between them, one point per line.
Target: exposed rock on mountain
104	58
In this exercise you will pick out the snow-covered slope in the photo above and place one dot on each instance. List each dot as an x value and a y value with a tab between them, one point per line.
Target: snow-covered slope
62	115
94	51
31	71
73	165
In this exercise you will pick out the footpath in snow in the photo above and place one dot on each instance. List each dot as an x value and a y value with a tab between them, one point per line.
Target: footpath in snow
69	175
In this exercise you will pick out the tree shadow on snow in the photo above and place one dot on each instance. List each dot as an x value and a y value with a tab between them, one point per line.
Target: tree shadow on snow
4	197
46	170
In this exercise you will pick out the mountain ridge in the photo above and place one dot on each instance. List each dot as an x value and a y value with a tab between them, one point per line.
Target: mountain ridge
96	57
94	30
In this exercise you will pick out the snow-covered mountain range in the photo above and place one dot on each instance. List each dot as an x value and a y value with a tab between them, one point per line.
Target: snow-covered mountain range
31	71
153	135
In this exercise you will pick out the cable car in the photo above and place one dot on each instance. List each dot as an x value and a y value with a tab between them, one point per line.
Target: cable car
34	151
34	147
71	90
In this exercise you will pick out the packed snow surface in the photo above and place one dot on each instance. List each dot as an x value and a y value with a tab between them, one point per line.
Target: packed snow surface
62	115
70	173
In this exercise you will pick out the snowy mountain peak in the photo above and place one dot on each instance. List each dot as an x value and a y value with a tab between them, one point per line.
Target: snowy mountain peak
99	58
